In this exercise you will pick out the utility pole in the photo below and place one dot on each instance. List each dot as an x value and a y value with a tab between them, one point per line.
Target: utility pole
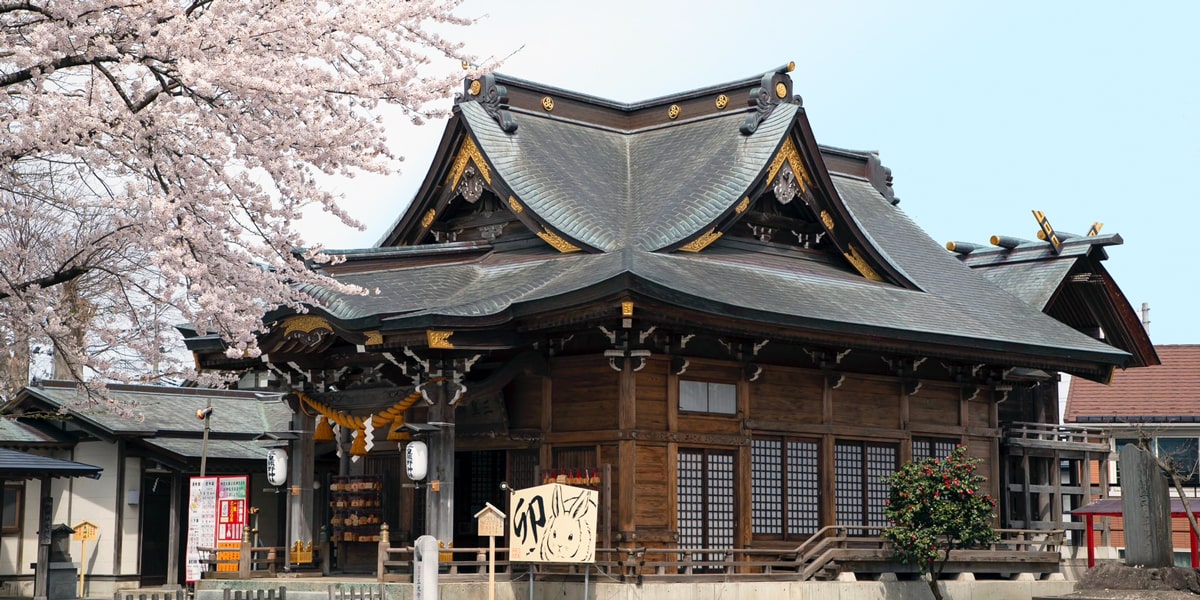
205	414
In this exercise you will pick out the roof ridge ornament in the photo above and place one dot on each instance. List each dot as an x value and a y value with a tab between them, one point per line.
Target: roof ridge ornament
493	97
775	89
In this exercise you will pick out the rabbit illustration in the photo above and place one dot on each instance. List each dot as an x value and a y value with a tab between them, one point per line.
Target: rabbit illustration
568	537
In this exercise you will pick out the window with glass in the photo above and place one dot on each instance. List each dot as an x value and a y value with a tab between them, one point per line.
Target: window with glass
10	516
707	397
1181	454
784	487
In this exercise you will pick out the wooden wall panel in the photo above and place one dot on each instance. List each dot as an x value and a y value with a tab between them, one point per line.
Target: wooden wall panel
523	397
653	497
979	413
585	395
981	448
651	385
934	406
787	395
867	403
705	424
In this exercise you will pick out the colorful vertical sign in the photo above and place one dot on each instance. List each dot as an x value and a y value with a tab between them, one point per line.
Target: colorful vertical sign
218	508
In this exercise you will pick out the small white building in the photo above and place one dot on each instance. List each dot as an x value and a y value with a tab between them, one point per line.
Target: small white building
139	504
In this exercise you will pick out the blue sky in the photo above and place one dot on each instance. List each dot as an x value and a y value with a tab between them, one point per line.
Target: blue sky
984	111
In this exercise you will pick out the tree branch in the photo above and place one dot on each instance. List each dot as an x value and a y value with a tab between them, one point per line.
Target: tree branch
64	62
58	277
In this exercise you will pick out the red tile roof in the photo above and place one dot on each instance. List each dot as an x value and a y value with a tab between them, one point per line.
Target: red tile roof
1171	389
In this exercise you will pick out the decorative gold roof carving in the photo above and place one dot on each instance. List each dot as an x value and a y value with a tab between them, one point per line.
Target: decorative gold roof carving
781	89
722	102
374	338
306	329
673	111
702	242
743	205
516	206
559	244
305	324
791	156
468	152
548	103
827	220
427	220
439	340
627	308
476	87
860	263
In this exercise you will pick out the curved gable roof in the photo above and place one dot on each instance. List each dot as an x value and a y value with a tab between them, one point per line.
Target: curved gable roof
645	190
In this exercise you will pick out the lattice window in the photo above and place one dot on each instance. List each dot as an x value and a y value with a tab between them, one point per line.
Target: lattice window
924	448
803	487
691	498
859	470
521	467
848	478
705	500
881	462
784	487
766	486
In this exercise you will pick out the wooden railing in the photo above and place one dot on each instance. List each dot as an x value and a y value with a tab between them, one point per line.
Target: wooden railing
1024	432
247	562
1017	550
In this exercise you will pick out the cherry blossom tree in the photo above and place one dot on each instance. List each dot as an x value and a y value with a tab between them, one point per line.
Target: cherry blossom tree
155	156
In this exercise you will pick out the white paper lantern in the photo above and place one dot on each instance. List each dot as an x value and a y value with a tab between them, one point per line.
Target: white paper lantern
276	466
416	460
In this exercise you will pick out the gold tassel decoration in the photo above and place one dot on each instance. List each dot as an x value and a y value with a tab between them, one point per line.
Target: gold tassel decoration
359	446
324	432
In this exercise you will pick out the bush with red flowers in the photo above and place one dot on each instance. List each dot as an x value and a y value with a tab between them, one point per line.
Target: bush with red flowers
936	506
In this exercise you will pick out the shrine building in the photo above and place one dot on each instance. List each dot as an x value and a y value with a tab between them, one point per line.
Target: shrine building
687	303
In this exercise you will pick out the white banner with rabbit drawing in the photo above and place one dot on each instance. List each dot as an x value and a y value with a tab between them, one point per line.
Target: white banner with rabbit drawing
553	523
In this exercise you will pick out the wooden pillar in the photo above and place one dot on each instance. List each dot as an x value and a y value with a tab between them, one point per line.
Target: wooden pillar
626	451
673	450
827	474
439	502
176	524
301	507
45	514
545	456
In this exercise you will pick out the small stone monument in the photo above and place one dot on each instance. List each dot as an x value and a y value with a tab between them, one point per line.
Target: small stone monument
1146	504
61	574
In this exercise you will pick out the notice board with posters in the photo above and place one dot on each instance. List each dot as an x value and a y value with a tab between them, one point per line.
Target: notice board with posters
218	508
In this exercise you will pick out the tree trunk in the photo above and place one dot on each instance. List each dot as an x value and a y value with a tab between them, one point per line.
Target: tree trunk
933	586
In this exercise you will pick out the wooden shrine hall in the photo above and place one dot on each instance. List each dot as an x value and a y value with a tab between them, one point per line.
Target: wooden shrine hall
687	303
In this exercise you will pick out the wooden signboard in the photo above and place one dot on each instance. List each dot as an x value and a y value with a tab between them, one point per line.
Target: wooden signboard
491	526
85	531
491	521
553	523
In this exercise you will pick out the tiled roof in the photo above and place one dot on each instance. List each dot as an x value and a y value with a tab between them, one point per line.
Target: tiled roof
632	190
956	306
1168	390
1032	271
23	465
169	409
15	434
607	188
